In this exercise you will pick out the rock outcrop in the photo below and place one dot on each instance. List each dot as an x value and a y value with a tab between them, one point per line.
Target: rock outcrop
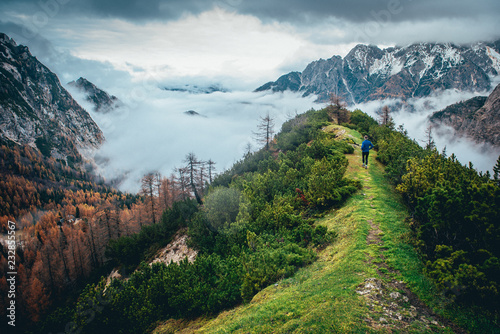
477	118
36	110
102	101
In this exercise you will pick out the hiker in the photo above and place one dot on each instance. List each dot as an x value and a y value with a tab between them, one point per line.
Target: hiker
366	146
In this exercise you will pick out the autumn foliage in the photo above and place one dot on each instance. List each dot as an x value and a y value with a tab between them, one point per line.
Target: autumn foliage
65	219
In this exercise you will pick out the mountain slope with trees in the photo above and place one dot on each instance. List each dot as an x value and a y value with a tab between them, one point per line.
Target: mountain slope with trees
360	283
254	227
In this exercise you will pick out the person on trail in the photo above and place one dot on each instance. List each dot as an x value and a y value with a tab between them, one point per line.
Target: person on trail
366	146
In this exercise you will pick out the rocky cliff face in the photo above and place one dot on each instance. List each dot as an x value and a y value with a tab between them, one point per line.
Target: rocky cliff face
36	110
368	73
102	101
477	118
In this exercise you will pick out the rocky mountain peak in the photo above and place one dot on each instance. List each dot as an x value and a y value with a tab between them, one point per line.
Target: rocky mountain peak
102	101
369	73
364	55
4	39
36	110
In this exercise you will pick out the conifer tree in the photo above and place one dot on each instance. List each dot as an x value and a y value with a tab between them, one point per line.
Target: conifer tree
496	172
211	169
429	141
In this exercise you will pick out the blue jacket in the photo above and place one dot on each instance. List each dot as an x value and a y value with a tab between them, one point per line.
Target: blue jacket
366	146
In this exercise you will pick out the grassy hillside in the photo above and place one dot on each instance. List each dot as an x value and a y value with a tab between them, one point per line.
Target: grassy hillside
369	280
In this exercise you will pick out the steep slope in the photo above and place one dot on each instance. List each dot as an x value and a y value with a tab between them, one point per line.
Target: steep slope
477	118
102	101
36	110
368	281
368	73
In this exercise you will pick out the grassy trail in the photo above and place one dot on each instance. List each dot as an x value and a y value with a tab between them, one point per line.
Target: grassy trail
367	281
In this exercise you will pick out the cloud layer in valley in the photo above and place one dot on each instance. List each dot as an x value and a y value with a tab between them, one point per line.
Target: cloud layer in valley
415	121
153	132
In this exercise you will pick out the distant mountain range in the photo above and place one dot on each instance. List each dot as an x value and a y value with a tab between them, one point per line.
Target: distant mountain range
36	110
369	73
102	101
197	89
477	118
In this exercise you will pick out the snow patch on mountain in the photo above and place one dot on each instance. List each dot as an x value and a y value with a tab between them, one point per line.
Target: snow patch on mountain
418	70
495	58
388	65
452	55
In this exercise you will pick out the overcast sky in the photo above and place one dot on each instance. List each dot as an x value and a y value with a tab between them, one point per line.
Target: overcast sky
252	40
131	48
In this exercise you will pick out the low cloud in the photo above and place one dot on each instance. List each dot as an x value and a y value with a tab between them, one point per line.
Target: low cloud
155	134
414	118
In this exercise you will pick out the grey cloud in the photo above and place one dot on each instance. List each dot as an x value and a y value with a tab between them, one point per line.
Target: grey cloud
367	10
136	10
284	10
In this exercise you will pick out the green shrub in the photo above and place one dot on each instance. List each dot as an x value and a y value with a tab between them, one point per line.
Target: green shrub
270	263
456	217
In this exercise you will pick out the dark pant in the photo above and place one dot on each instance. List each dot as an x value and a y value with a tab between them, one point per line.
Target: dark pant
365	157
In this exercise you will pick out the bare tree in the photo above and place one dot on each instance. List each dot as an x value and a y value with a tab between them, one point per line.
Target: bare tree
385	117
192	168
337	109
165	193
202	175
337	101
429	141
182	181
265	130
211	169
149	191
158	191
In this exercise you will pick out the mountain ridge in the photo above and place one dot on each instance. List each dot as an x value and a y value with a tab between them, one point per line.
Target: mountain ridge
36	110
369	73
477	118
102	101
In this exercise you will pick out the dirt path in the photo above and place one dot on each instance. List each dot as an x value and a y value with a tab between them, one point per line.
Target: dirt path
394	306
